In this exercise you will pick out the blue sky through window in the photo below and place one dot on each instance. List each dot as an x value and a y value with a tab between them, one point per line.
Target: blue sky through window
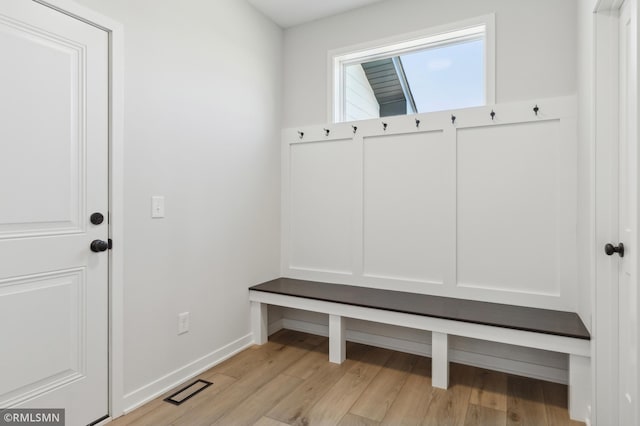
447	77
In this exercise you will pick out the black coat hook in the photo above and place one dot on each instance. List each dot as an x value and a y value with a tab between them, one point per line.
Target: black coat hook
417	123
355	129
300	134
493	115
536	109
453	119
326	132
384	126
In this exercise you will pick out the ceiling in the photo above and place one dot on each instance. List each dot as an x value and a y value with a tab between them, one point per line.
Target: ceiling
289	13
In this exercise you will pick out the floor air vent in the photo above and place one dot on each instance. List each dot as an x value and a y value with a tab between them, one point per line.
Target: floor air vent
187	392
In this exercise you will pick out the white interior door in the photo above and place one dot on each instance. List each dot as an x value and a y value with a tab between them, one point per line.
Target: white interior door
627	221
53	177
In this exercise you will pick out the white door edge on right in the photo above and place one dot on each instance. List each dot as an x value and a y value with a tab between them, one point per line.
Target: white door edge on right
627	218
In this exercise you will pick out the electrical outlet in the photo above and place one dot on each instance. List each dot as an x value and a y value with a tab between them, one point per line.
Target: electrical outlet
183	322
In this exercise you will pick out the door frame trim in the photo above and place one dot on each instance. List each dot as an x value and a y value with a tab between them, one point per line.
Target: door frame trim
115	31
606	135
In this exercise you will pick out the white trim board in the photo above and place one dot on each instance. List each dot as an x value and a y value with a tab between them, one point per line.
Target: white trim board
116	190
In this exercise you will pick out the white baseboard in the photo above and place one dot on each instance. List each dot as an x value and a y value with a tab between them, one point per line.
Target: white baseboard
275	326
510	366
146	393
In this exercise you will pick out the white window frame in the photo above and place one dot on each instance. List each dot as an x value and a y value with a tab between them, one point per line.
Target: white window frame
393	46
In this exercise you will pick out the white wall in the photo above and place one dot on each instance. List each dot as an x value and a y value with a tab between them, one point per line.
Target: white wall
536	47
203	82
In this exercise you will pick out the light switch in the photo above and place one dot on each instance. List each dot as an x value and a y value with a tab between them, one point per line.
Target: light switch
157	206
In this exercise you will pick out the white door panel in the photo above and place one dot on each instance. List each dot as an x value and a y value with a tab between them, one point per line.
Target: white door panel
53	176
39	201
627	208
59	298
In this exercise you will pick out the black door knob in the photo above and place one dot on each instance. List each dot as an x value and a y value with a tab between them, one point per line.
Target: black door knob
99	245
609	249
96	218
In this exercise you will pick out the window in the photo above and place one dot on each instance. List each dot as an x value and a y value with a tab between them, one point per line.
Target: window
443	68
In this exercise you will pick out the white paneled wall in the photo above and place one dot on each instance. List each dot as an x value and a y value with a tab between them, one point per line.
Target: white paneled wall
322	208
513	198
481	208
408	207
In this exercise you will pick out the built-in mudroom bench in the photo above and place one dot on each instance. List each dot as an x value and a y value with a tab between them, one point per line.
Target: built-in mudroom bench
452	235
545	329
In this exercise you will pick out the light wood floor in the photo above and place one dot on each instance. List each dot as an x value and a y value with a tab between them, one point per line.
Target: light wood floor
289	381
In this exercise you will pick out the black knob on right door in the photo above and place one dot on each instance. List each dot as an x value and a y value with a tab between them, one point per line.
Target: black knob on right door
610	249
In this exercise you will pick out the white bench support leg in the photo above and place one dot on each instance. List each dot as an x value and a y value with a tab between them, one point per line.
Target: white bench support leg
439	360
579	387
259	323
337	339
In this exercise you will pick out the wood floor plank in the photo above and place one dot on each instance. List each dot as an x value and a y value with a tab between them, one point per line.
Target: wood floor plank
267	421
525	402
244	362
490	389
254	407
310	363
411	404
383	390
270	387
478	415
353	420
449	407
294	408
247	385
555	403
340	397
